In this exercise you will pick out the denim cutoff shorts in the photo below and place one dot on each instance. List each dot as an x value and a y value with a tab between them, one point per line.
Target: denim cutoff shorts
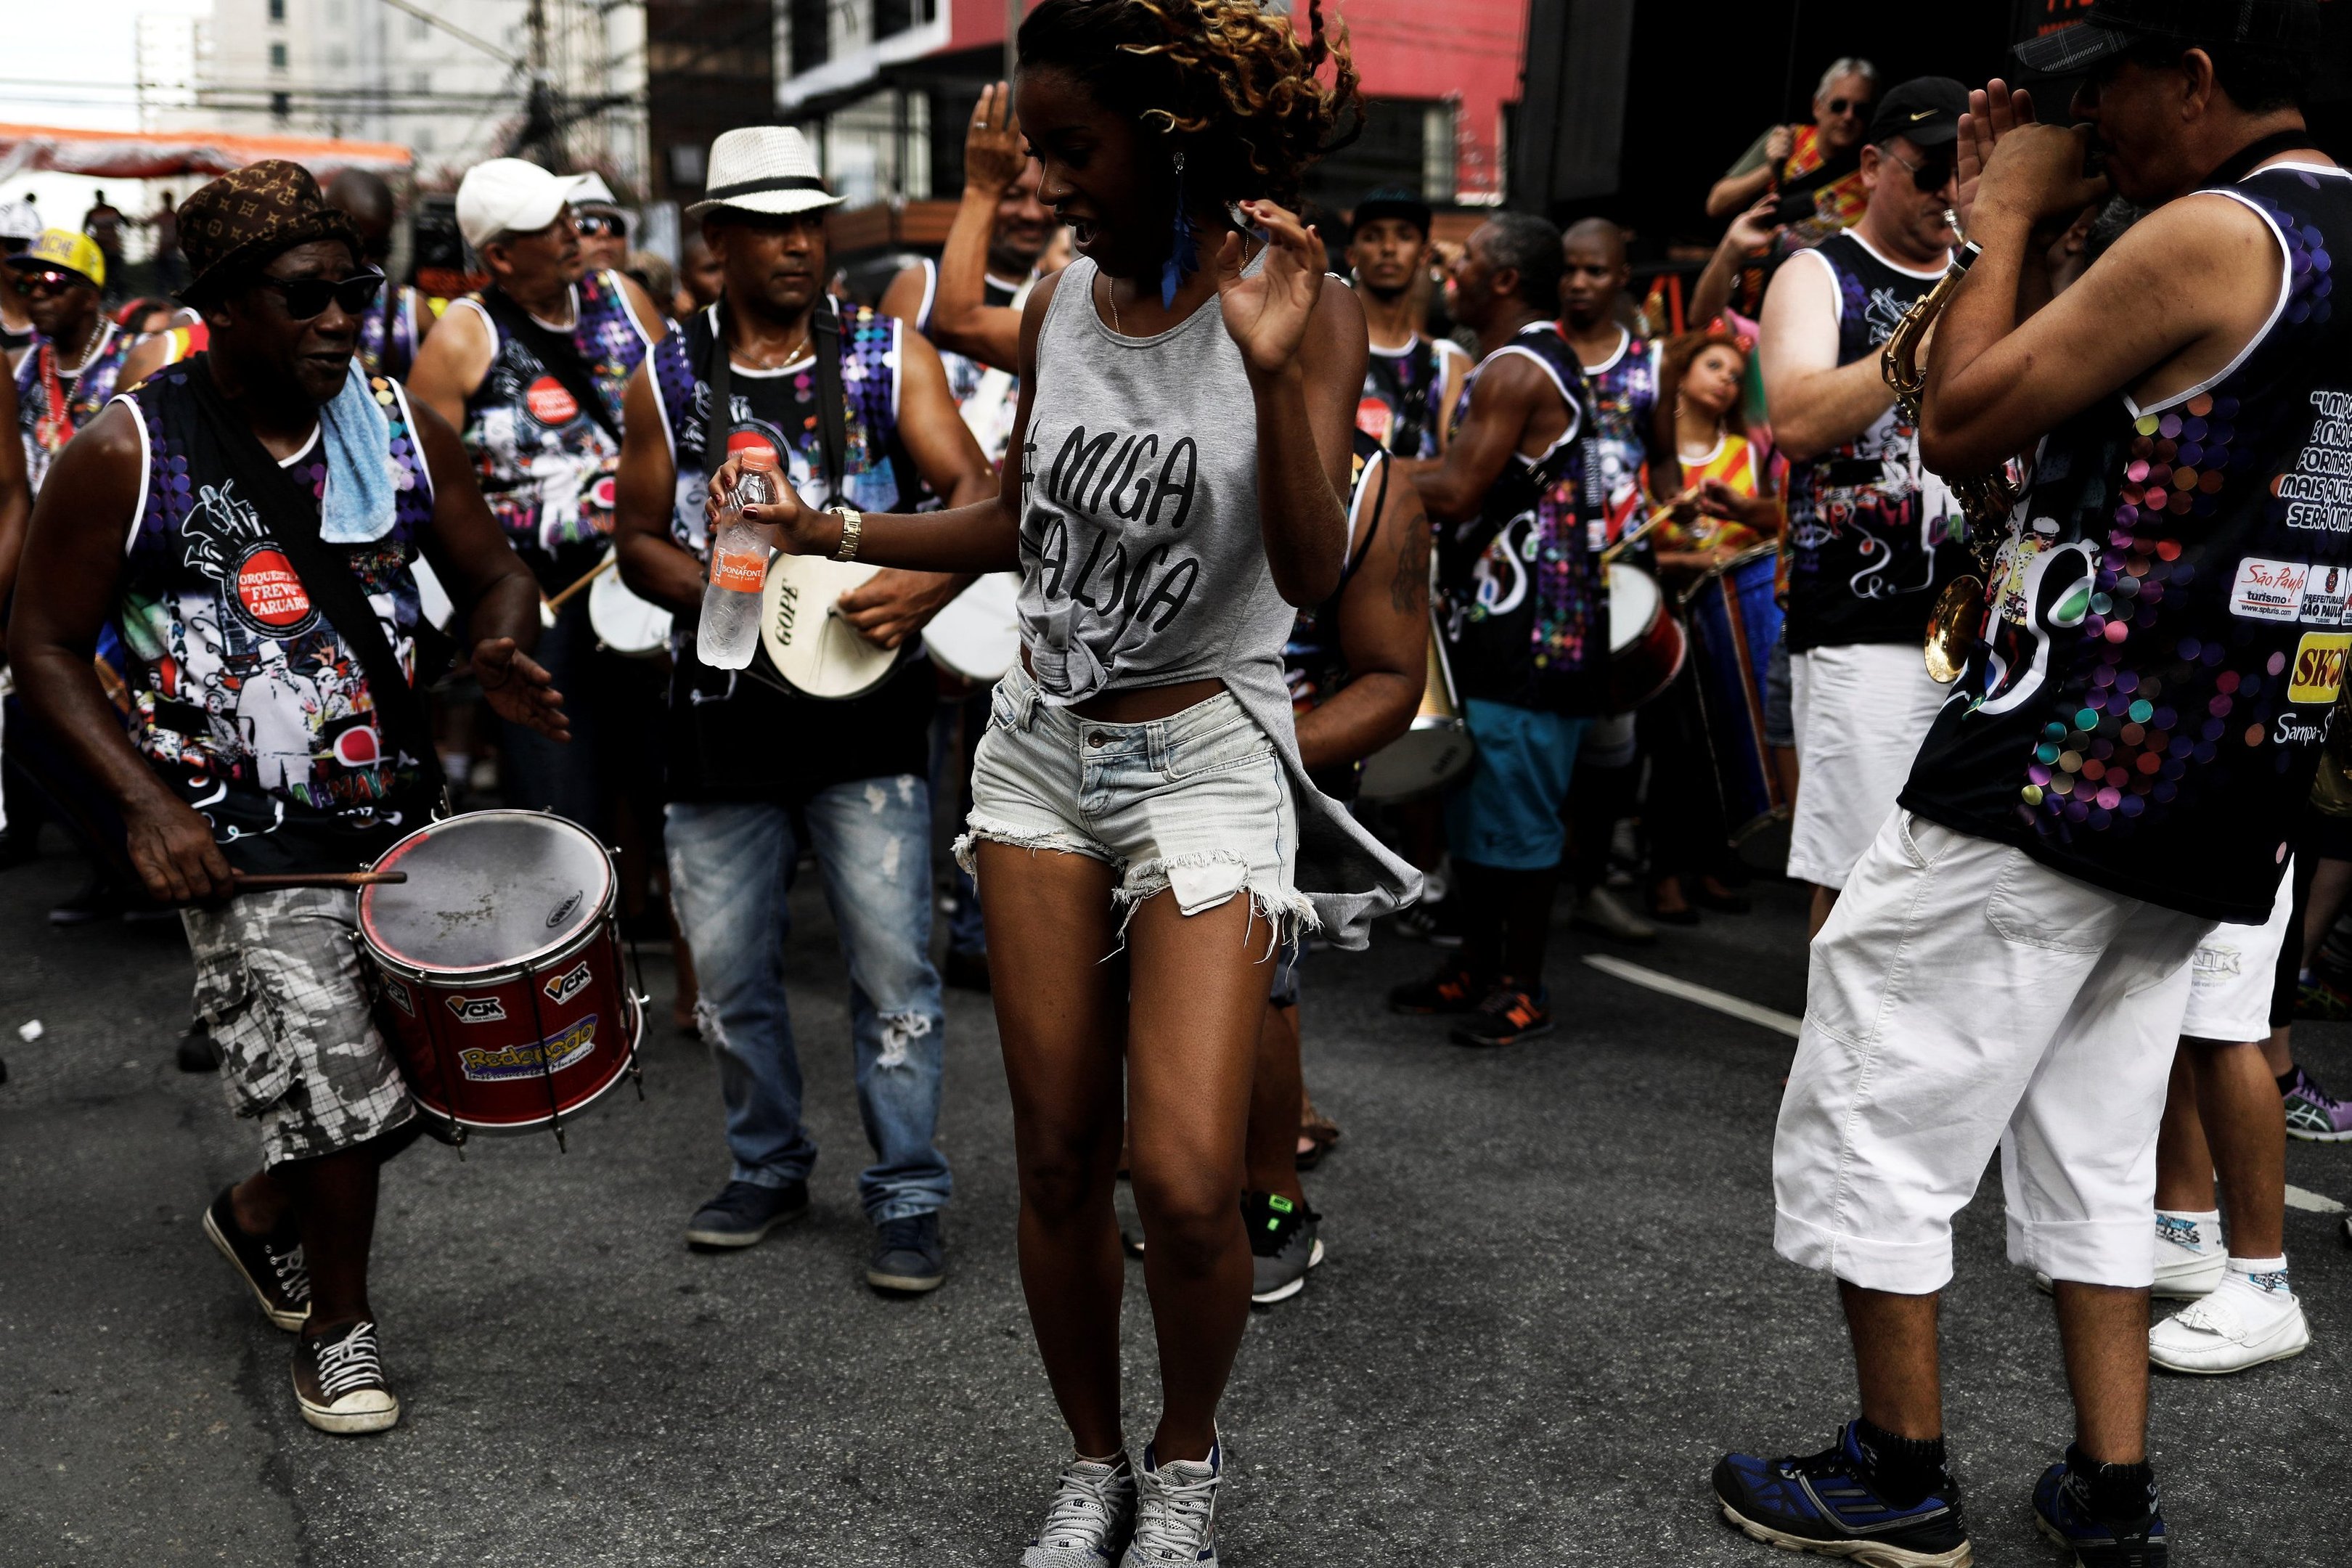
1197	804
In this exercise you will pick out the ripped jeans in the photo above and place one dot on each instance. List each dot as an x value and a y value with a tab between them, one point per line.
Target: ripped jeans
1196	804
730	866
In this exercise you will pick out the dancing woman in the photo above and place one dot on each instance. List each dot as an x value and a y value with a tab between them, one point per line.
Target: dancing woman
1180	454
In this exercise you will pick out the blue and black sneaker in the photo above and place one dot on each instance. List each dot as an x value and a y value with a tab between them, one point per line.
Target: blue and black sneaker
2062	1507
1830	1503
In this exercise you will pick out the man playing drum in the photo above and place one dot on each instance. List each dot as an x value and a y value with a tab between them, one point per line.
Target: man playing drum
266	724
1524	619
1872	537
748	762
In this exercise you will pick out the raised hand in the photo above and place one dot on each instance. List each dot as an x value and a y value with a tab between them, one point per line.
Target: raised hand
1753	229
1267	313
518	687
1994	111
993	158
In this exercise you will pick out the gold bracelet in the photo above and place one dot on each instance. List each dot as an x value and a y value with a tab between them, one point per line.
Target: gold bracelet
852	522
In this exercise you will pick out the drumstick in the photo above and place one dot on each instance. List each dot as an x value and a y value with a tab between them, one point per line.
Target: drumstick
270	882
1627	542
587	577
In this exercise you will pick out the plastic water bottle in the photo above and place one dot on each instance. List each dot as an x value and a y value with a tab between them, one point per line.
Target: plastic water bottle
729	629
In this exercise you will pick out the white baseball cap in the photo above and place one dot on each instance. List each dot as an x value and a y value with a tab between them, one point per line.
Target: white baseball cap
763	169
19	221
508	196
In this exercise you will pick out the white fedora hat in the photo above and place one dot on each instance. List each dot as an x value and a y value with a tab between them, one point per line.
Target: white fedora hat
763	169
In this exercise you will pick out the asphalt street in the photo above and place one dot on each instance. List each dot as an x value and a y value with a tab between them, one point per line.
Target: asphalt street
1550	1301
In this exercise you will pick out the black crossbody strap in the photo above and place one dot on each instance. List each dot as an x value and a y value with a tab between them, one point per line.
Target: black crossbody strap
831	406
718	374
289	516
557	352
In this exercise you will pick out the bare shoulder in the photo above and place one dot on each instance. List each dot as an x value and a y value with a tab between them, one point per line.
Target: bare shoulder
904	297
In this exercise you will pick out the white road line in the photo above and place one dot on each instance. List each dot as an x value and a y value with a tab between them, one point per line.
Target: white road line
1705	995
2297	1198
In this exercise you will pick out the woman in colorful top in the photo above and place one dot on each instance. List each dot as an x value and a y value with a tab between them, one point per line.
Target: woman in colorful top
1188	386
1725	503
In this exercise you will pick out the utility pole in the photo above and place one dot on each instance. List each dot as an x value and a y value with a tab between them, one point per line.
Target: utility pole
541	129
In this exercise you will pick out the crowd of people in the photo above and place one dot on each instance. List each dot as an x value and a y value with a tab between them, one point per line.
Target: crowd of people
2067	894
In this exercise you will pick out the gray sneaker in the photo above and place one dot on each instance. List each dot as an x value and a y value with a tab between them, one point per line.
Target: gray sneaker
743	1213
1176	1511
1282	1245
1091	1519
1603	911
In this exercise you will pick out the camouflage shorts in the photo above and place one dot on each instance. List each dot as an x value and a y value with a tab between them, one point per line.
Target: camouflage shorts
279	982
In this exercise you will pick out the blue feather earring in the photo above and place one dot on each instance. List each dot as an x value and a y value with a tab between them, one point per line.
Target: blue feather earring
1183	256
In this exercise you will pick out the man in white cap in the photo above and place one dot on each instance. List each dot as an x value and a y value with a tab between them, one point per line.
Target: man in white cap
530	371
19	226
751	763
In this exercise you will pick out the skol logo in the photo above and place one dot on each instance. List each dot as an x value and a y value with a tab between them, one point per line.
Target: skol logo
2318	667
477	1009
564	988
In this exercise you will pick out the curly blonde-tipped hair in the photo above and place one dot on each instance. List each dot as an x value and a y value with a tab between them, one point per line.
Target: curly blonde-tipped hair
1240	88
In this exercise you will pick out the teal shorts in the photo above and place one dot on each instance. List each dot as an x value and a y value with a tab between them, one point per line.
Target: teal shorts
1508	815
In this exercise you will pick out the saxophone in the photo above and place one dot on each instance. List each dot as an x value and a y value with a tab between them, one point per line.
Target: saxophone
1956	627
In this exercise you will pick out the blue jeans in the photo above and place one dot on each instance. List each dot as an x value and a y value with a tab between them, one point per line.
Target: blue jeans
730	866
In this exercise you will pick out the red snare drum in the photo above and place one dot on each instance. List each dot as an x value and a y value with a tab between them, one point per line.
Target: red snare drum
500	964
1646	646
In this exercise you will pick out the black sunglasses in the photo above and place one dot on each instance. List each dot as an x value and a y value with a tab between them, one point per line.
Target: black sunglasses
309	297
594	225
1859	105
1932	176
46	285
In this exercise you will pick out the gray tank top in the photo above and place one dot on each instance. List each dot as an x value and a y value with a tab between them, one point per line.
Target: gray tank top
1142	562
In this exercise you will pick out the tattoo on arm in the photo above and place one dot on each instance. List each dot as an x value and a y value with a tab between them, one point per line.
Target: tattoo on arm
1408	589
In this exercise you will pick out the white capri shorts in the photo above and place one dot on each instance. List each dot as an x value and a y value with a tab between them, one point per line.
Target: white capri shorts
1964	996
2234	973
1861	712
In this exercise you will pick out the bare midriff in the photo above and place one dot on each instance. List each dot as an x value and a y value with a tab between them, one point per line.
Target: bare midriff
1141	704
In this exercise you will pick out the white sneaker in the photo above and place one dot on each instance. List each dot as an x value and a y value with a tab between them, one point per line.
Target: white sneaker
2238	1326
1090	1520
1176	1511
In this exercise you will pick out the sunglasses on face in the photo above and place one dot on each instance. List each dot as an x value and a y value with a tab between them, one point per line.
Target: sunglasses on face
1930	176
309	297
1859	106
46	285
594	225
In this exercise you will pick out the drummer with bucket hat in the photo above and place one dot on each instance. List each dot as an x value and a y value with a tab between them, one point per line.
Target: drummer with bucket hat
273	499
752	761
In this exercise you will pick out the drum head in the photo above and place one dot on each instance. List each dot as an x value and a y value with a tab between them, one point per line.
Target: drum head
978	635
490	889
815	650
624	622
1633	604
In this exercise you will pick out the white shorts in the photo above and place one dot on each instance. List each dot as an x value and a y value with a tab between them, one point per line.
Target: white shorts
2234	973
1963	996
1861	712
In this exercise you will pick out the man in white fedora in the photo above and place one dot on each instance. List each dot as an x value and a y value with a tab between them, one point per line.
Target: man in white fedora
530	371
752	763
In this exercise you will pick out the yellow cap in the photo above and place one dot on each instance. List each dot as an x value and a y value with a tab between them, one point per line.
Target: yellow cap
63	248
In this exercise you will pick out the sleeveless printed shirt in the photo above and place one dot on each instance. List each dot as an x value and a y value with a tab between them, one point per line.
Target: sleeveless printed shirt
51	405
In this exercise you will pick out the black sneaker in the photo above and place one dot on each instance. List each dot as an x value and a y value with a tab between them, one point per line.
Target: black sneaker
743	1213
1506	1017
2061	1506
339	1381
907	1254
1282	1245
1435	921
271	1266
1450	990
1829	1503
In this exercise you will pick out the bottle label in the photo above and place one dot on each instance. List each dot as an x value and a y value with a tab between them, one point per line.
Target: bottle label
742	570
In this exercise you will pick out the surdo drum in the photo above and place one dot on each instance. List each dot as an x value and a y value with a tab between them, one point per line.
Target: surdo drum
498	965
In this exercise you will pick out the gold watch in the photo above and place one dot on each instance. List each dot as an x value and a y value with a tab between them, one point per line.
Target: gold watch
852	522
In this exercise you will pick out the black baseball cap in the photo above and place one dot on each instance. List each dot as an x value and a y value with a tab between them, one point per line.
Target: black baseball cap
1390	201
2115	25
1925	111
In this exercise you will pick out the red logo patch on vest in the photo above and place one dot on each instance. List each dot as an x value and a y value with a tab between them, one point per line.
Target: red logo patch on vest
550	404
358	747
271	595
1375	418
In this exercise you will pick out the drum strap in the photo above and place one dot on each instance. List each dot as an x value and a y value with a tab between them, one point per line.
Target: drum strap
718	375
558	352
831	409
282	507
